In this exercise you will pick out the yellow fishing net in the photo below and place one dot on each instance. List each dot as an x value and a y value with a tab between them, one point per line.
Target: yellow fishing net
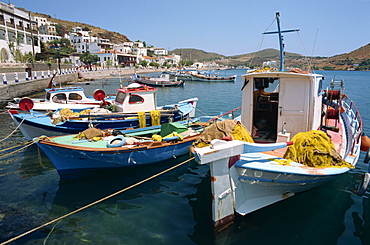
221	129
155	116
315	149
142	119
66	113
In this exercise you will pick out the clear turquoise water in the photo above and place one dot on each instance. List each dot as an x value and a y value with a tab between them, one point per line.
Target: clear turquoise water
175	207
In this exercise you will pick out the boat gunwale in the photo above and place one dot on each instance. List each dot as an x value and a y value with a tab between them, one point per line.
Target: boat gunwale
144	145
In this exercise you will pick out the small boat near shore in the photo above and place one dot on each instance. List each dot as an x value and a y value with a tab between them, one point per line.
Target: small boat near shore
162	81
301	136
212	77
134	106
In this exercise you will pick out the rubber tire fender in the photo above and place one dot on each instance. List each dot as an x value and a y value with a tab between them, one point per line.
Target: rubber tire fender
118	137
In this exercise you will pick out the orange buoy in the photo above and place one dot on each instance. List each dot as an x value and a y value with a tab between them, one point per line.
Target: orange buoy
365	143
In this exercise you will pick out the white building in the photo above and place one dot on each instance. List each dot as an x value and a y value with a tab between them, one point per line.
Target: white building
82	41
159	51
17	30
109	58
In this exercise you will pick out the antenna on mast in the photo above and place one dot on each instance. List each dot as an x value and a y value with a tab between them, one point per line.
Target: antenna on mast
281	40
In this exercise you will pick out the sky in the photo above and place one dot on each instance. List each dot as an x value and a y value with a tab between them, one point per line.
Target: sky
232	27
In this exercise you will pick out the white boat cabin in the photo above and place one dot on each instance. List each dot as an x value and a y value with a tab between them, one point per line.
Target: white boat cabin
281	104
136	97
66	95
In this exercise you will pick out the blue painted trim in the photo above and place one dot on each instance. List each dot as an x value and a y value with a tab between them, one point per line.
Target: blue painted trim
287	181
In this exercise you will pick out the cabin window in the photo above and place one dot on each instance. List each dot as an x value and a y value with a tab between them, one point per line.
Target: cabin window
47	97
60	98
74	96
319	92
135	99
270	85
120	97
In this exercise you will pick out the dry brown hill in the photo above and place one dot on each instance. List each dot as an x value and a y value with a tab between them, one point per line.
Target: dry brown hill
114	37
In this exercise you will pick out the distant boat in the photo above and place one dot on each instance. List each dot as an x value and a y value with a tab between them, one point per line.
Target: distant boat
302	136
134	107
211	77
179	75
162	81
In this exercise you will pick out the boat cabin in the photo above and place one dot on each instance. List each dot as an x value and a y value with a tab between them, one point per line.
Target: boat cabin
65	95
136	97
278	104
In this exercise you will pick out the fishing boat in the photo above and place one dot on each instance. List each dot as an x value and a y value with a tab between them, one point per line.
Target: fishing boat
134	106
302	135
72	97
180	75
212	77
63	97
162	81
94	150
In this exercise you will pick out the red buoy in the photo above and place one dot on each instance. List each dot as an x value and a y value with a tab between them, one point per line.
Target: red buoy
26	104
99	94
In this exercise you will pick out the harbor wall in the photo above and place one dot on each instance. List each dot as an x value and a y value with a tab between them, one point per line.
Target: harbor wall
27	88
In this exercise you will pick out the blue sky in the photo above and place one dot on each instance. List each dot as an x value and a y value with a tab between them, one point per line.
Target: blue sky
232	27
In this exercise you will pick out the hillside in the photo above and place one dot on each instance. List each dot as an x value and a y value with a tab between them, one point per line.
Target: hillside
114	37
337	62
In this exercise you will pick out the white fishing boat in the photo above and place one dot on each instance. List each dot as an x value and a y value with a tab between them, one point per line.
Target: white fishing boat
72	97
162	81
212	77
302	135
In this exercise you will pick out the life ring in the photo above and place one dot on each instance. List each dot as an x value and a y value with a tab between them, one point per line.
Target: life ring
116	141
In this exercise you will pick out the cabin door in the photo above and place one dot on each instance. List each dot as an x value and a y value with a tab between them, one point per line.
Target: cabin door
293	105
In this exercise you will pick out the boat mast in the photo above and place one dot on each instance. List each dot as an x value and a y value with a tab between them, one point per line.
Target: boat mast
279	31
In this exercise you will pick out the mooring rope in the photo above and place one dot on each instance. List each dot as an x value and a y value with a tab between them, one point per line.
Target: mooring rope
20	125
96	202
27	144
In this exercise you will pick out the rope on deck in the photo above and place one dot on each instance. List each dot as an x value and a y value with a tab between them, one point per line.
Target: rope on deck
96	202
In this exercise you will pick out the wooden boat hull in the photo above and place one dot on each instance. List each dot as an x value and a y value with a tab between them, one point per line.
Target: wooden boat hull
196	77
161	83
37	124
69	158
260	181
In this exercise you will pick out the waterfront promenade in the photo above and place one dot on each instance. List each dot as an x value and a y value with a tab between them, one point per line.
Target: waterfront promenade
20	84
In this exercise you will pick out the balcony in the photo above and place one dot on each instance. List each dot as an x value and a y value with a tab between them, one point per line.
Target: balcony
10	24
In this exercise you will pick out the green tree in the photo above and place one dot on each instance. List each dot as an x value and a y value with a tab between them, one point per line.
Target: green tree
154	64
186	62
60	30
89	59
143	63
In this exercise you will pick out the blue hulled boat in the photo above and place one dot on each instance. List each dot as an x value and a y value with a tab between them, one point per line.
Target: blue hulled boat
133	107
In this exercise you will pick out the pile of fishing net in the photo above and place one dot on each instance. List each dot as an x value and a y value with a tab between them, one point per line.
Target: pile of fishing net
315	149
66	113
221	129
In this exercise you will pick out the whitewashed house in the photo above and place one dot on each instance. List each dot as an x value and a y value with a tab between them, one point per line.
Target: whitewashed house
17	30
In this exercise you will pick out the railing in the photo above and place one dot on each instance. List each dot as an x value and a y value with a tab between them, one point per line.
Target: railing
355	120
232	112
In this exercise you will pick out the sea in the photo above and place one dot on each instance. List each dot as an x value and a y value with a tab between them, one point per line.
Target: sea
174	207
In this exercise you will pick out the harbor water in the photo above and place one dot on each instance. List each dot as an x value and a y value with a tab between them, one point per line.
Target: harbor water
175	207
